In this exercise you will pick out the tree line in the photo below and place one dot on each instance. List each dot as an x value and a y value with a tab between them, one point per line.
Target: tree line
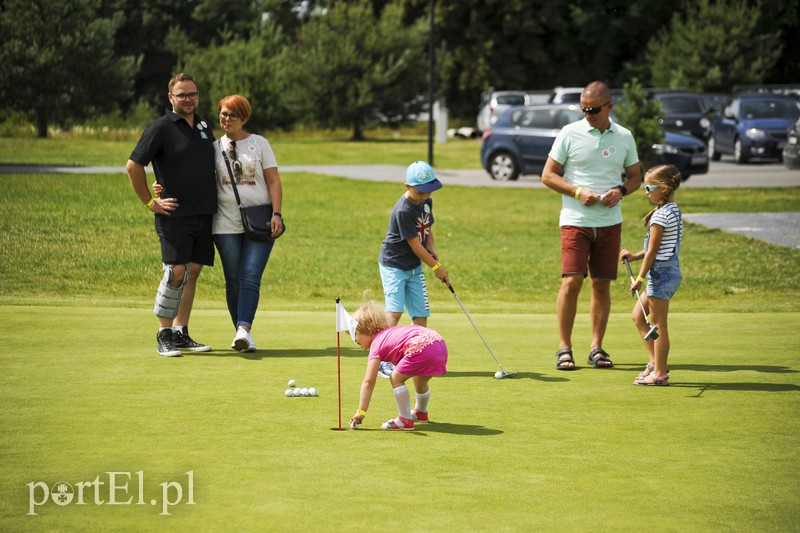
354	63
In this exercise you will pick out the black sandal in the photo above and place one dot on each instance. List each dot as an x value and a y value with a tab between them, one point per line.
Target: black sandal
597	355
565	360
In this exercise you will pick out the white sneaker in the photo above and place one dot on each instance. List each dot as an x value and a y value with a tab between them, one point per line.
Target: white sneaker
243	341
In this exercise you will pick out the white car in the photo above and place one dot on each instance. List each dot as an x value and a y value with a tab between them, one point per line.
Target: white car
493	103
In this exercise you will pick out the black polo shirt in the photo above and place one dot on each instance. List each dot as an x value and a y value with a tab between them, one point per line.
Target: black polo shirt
183	161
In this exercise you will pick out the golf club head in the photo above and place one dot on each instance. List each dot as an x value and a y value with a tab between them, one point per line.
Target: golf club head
508	375
652	334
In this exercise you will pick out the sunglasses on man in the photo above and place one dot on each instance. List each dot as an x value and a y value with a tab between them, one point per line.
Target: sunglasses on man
593	110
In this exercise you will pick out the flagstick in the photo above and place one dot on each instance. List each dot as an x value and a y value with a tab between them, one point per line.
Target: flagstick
339	371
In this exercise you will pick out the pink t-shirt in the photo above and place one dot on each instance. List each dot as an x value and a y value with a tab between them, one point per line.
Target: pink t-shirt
394	343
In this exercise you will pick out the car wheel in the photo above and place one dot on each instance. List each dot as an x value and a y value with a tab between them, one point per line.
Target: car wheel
685	177
738	153
503	167
712	150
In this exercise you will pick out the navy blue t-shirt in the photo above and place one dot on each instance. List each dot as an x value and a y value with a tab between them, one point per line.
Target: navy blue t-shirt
407	221
183	162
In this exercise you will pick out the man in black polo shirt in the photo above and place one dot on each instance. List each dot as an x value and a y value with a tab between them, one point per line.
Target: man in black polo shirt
180	146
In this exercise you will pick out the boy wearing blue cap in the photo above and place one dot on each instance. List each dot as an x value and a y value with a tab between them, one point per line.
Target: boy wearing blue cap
409	243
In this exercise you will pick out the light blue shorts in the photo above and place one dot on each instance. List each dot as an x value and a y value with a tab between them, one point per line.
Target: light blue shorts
664	282
405	289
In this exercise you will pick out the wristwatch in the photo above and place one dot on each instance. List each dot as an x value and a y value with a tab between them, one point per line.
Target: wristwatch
277	214
623	189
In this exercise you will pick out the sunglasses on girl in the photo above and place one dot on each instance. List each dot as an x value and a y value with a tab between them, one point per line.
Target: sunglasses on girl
651	188
593	110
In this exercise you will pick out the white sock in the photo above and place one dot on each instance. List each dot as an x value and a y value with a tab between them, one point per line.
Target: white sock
180	329
422	401
403	400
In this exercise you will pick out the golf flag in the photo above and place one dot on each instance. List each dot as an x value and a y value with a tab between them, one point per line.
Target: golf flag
344	322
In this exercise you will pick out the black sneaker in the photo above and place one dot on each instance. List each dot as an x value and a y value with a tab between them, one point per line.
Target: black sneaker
166	346
183	341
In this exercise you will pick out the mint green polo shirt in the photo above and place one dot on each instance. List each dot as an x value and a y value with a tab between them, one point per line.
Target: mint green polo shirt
595	161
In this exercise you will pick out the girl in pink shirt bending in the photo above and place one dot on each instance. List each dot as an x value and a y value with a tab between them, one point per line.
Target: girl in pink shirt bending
415	351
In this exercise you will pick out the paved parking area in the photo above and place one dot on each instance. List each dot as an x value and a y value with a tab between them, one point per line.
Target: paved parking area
776	228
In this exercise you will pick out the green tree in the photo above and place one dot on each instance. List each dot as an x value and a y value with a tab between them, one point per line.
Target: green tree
56	61
712	47
249	67
641	114
350	67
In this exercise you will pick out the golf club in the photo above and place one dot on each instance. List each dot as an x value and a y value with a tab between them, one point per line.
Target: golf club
652	334
502	375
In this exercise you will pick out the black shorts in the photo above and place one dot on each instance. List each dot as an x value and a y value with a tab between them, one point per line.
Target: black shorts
185	239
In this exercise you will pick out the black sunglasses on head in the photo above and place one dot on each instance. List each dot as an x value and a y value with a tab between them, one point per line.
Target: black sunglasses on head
593	110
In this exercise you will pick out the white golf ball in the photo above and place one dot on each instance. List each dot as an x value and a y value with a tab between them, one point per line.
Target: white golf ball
296	392
292	383
289	392
304	392
353	425
313	391
498	374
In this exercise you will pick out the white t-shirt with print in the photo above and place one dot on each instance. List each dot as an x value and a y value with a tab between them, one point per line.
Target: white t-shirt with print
253	156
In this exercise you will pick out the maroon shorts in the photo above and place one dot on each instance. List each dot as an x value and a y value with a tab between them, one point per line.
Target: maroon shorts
591	250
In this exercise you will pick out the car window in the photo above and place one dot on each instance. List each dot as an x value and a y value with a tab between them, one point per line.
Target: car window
535	118
769	109
678	104
511	99
568	116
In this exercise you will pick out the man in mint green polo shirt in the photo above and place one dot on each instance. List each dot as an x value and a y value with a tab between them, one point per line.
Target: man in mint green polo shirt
585	165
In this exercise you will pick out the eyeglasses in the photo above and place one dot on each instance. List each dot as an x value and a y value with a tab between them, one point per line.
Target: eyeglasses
593	110
232	116
651	188
186	96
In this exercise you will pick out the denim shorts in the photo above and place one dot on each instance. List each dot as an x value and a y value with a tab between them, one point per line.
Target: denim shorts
405	289
664	281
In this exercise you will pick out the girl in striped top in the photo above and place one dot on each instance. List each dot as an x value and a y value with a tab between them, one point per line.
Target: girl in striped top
659	257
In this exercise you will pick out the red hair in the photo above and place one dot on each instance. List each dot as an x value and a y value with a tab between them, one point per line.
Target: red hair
238	104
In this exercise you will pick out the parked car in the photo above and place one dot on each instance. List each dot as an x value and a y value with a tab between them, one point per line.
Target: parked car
715	102
566	95
518	143
685	113
753	126
495	102
791	157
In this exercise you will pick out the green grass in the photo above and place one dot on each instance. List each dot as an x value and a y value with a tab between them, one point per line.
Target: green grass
380	148
83	392
85	240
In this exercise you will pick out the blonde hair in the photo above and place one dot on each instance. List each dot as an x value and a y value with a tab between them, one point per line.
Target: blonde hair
669	178
371	319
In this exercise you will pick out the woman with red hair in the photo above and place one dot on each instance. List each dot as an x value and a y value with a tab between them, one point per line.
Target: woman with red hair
251	162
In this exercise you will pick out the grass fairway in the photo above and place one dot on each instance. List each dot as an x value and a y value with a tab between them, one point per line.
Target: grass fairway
84	394
546	451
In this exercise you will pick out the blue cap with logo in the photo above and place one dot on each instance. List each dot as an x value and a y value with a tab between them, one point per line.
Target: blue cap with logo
419	174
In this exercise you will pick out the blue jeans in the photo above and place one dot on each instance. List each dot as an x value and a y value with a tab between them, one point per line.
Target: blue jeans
243	263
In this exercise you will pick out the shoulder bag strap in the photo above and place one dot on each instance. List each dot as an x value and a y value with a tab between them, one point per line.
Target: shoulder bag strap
230	173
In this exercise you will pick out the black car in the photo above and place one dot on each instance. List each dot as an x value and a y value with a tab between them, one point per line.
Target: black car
791	157
518	143
684	113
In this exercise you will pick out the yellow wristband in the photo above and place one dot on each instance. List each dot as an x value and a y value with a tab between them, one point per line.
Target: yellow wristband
578	192
436	266
640	278
149	204
362	412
